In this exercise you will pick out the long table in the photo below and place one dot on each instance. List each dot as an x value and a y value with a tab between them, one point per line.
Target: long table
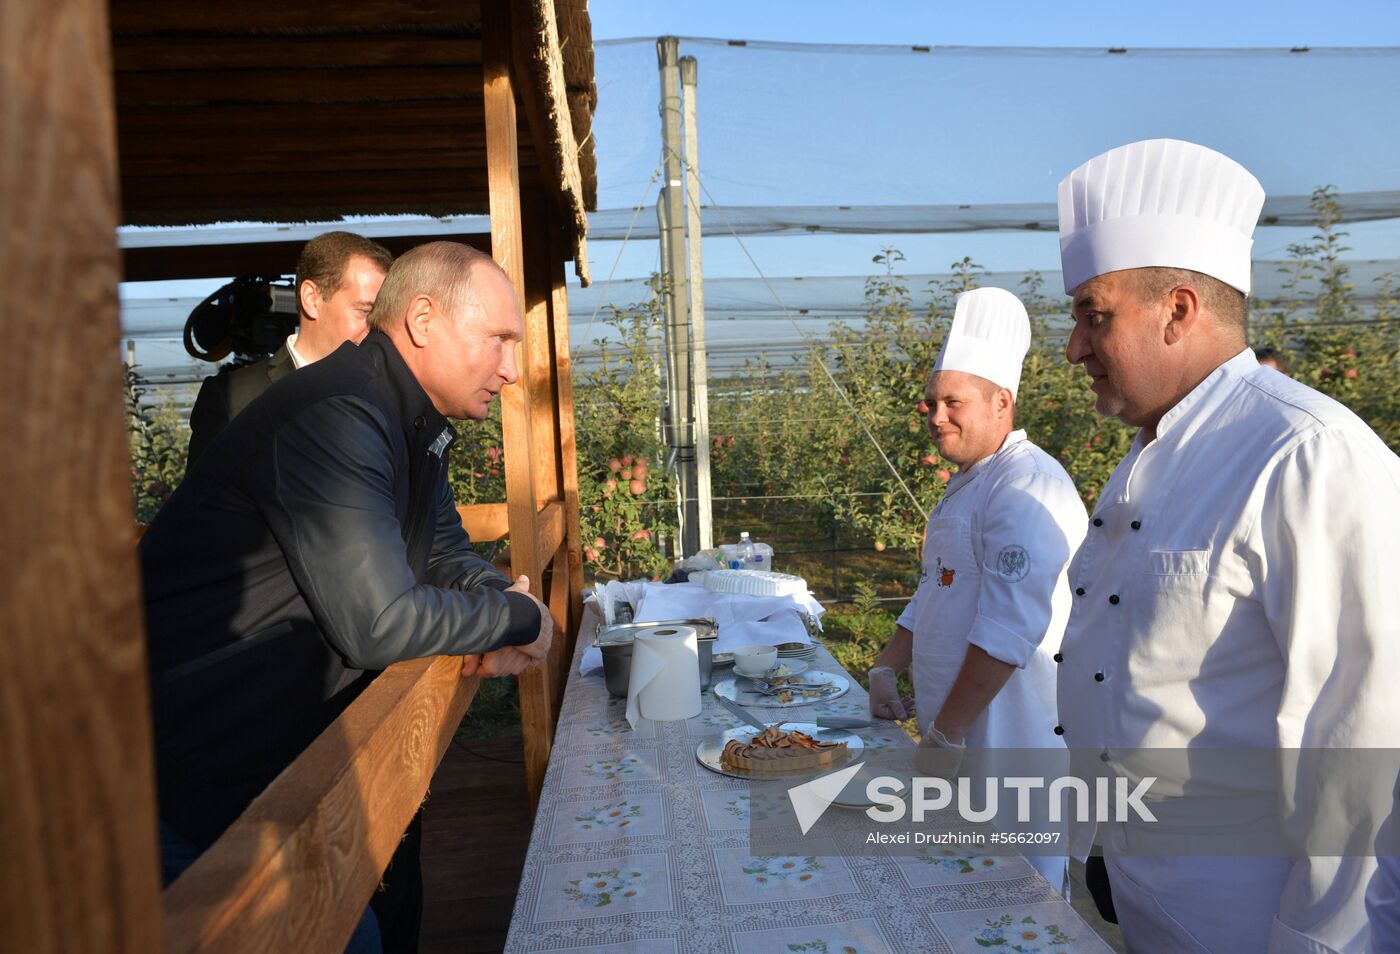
637	848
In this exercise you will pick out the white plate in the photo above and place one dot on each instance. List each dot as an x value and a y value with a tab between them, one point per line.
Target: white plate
733	690
720	660
708	752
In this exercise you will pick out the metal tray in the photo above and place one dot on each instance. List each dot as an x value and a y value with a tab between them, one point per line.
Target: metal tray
705	630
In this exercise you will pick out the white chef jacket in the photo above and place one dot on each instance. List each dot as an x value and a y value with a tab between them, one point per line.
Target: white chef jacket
1242	565
993	577
994	562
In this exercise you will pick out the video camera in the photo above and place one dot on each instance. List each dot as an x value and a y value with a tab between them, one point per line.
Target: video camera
250	316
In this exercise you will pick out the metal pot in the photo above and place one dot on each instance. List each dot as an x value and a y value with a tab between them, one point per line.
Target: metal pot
615	641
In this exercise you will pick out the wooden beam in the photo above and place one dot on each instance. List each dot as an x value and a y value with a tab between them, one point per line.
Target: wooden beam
285	85
142	155
77	794
296	870
550	531
507	247
568	452
543	403
253	258
162	16
268	120
485	522
251	159
273	52
562	652
234	196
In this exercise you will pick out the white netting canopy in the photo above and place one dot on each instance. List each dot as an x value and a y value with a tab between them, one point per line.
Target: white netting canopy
816	156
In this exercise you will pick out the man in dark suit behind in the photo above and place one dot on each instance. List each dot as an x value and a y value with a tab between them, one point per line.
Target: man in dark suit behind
338	277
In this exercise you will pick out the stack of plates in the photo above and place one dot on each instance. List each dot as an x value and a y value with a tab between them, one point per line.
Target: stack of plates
796	650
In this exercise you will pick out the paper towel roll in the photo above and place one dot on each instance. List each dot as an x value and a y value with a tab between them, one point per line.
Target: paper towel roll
665	675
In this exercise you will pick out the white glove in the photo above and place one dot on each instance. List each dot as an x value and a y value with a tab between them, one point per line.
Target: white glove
885	702
939	757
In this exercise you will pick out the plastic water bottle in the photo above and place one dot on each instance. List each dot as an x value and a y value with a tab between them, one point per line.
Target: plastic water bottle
747	553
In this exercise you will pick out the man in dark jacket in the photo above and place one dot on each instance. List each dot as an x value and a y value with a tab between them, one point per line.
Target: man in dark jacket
338	277
316	542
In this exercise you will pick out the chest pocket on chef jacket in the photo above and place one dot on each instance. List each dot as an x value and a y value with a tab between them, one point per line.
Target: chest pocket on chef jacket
950	598
1170	598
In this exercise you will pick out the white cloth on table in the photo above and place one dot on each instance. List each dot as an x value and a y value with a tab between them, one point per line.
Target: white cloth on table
1239	592
741	620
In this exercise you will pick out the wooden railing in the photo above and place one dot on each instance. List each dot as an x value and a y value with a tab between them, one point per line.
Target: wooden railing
296	870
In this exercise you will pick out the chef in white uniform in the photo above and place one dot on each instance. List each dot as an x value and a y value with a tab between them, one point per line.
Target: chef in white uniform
987	617
1237	585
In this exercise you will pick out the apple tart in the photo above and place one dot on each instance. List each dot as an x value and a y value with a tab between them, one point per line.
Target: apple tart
774	750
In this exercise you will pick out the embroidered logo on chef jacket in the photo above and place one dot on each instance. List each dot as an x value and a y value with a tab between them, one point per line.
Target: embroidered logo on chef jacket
1013	563
945	574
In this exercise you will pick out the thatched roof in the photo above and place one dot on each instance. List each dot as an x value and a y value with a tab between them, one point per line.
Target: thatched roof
304	110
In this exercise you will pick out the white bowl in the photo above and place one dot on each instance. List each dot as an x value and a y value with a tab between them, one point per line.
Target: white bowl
754	660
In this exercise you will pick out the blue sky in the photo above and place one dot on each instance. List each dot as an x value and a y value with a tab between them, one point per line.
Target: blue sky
1182	23
1350	144
1296	122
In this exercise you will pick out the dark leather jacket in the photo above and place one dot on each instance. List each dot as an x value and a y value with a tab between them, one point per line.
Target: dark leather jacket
313	543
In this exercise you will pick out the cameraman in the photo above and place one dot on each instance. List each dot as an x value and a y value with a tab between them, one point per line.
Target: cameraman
338	278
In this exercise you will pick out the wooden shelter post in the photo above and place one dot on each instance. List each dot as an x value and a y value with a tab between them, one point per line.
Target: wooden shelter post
77	794
508	249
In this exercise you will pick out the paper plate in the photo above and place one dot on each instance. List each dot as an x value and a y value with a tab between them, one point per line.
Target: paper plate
734	690
708	752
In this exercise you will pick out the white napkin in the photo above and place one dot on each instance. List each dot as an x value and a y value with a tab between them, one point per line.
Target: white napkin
607	596
742	620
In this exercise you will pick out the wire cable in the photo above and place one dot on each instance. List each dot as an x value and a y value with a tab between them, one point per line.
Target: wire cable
919	507
603	292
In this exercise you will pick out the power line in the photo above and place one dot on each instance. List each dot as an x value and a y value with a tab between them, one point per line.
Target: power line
860	418
603	292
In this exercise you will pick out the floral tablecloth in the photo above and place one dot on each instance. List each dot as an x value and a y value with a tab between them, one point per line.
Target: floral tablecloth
638	848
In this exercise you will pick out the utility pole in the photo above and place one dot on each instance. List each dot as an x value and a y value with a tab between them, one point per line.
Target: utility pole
700	382
670	212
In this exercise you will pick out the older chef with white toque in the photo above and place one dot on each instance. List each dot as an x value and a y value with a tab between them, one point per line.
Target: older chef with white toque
993	599
1237	585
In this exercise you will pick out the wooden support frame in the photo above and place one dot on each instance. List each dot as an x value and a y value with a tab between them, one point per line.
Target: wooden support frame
77	799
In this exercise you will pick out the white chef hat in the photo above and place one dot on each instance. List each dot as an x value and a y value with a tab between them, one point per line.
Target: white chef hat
989	338
1160	202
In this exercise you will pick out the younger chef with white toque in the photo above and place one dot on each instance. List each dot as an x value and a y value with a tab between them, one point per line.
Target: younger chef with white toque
992	602
1236	587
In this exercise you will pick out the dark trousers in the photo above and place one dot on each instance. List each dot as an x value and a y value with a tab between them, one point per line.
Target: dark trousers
1096	880
399	902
